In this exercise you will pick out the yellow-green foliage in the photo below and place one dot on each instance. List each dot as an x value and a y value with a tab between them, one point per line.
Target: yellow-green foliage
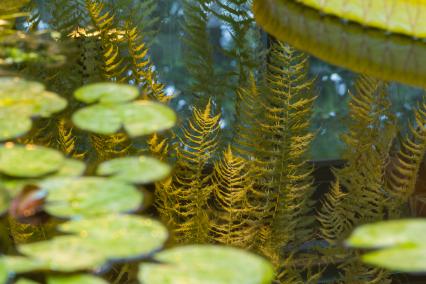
287	102
404	168
198	50
237	215
358	196
191	185
66	139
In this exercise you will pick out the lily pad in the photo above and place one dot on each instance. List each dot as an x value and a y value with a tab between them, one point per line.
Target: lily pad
65	254
138	118
389	233
119	236
106	93
22	264
398	16
73	279
89	196
28	161
26	281
404	258
28	99
400	243
135	169
4	201
374	52
206	264
4	272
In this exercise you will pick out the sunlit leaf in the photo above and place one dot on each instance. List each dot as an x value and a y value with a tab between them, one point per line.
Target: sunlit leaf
138	118
389	233
4	272
205	264
22	264
401	244
28	99
89	196
120	236
144	117
29	161
106	93
373	52
26	281
407	258
399	16
64	254
135	169
74	279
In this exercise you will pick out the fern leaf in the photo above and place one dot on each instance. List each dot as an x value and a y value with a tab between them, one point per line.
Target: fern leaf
191	185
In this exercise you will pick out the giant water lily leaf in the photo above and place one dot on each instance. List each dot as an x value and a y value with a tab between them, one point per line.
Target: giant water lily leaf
395	240
65	254
74	279
28	99
135	169
89	196
119	236
373	52
106	93
29	161
398	16
199	264
137	118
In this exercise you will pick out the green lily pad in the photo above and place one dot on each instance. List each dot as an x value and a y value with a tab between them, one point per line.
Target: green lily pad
65	254
135	169
206	264
389	233
119	236
29	99
73	279
406	258
89	196
4	201
22	264
401	244
28	161
4	272
101	119
26	281
106	93
138	118
69	168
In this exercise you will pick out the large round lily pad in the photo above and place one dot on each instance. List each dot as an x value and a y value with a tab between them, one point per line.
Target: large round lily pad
138	118
106	93
22	264
28	99
120	236
74	279
28	161
89	196
26	281
135	169
400	243
398	16
65	254
374	52
206	264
